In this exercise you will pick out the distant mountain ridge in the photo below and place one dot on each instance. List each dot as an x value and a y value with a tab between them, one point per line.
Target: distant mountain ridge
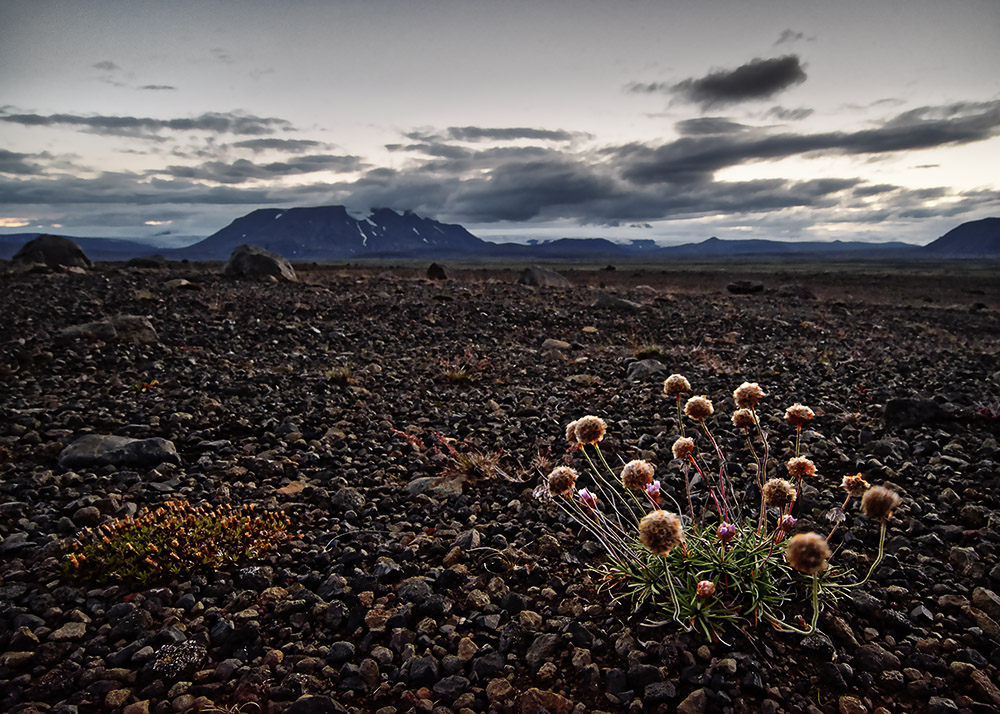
331	233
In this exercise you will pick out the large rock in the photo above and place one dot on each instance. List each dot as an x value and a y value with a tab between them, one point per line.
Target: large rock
796	290
604	301
745	287
124	328
645	369
50	252
543	278
251	261
95	450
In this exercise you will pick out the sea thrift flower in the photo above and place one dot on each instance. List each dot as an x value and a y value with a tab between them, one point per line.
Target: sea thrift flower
590	429
653	491
571	436
699	408
808	553
787	523
743	419
675	385
561	480
798	414
587	498
779	492
854	485
801	467
878	503
660	531
636	474
727	531
683	447
705	589
747	395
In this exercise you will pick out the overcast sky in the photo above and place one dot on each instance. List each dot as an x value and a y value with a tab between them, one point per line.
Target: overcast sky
858	119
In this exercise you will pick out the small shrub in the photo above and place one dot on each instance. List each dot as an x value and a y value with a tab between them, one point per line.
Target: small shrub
172	540
649	352
722	564
341	374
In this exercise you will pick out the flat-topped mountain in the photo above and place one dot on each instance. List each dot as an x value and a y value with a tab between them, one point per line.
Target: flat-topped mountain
331	233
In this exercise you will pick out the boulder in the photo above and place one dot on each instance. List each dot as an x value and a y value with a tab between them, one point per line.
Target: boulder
645	369
154	262
745	287
604	301
255	263
123	328
49	251
543	278
95	450
436	272
796	290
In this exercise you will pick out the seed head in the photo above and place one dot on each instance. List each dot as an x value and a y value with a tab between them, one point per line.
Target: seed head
878	503
699	408
705	589
801	467
571	436
854	485
779	492
743	419
561	480
747	395
726	532
675	385
590	429
683	447
636	474
808	553
798	414
660	531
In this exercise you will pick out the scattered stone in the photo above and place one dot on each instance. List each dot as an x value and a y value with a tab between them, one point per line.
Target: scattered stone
694	703
604	301
795	290
538	701
646	369
912	412
745	287
551	344
543	278
134	329
436	272
256	263
95	450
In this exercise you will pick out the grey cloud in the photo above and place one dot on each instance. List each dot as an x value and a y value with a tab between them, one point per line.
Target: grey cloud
783	114
122	188
755	80
12	162
478	133
217	122
289	145
874	189
647	87
243	170
789	36
159	87
106	66
708	125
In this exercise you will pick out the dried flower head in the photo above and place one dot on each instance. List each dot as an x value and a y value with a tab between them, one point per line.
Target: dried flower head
636	474
779	492
705	589
747	395
561	480
587	498
726	532
854	485
571	436
590	429
683	447
808	553
798	414
801	467
675	385
699	408
743	419
660	531
879	502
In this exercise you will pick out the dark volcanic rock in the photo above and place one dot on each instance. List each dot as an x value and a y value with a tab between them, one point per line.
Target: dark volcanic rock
745	287
50	252
136	329
795	290
95	450
436	272
255	263
543	278
604	301
912	412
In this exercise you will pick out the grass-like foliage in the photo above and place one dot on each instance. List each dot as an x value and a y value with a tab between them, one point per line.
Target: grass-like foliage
725	563
172	540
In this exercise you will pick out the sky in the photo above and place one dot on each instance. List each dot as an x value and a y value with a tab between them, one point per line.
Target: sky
870	120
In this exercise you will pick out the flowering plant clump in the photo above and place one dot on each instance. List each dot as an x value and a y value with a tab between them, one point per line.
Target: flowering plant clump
726	562
173	540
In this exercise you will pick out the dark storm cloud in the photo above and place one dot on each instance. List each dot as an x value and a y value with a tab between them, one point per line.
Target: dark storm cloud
479	133
289	145
783	114
757	79
123	188
159	87
243	170
874	190
216	122
12	162
696	159
708	125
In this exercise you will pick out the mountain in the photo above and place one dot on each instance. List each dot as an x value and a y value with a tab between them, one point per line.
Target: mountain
969	240
331	233
94	248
